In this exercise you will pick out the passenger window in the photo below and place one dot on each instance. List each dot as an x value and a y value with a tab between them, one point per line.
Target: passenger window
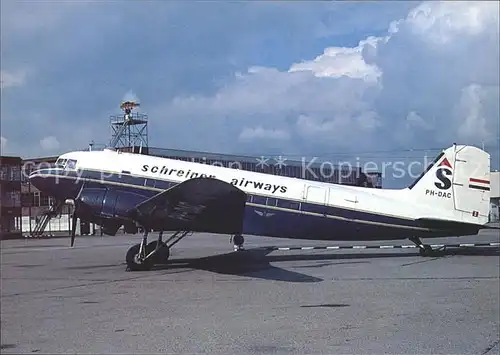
129	180
149	182
271	201
260	200
292	205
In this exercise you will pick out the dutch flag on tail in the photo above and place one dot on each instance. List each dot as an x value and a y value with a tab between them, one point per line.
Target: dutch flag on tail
479	184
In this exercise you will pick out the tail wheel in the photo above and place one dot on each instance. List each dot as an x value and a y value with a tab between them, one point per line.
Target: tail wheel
426	250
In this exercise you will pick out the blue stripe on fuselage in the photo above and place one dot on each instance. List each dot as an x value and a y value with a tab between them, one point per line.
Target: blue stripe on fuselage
263	216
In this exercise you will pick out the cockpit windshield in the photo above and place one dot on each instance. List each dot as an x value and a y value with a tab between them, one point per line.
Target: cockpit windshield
66	163
71	164
61	163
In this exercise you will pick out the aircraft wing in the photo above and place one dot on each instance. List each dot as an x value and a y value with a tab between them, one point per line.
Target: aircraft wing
198	205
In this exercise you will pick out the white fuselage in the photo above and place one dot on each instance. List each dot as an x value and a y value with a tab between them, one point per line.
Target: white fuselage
396	203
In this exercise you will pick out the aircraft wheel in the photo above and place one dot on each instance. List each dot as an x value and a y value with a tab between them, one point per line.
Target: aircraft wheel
133	261
238	240
426	250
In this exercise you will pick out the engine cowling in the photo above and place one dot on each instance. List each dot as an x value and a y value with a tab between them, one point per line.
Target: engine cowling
107	207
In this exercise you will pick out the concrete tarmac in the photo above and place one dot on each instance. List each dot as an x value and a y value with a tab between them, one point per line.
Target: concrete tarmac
57	299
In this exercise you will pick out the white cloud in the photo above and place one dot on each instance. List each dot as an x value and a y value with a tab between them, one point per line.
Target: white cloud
49	144
470	115
432	80
257	133
442	22
11	79
414	120
3	145
336	62
130	96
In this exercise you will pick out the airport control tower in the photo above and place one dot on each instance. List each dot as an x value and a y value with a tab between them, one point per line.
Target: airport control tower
130	129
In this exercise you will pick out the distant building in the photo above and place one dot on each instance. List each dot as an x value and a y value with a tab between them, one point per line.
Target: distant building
10	197
35	204
375	179
310	170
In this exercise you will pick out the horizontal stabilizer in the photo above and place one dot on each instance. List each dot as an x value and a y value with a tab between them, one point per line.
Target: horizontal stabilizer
197	205
445	224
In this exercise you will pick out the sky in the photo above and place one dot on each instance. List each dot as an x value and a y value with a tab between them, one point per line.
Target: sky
364	82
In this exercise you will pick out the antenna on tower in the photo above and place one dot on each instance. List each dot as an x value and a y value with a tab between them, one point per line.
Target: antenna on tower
130	129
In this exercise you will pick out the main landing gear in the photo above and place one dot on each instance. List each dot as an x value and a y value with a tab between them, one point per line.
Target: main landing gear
143	256
238	241
425	249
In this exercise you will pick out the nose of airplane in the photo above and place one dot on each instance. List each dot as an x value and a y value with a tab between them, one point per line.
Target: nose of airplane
44	180
36	179
55	182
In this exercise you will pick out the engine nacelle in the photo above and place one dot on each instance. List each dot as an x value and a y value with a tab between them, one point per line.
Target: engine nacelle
107	206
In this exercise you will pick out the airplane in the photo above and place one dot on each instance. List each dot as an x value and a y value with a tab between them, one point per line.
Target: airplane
147	193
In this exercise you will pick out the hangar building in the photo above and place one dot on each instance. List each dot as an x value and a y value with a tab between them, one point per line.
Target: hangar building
10	197
495	197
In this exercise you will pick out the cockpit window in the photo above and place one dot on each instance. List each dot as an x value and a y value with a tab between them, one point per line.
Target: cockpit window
61	162
71	164
66	163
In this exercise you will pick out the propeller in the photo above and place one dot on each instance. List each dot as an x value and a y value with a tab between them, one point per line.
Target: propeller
74	219
75	203
73	228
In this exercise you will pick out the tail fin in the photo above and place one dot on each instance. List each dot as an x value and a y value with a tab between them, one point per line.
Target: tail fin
456	185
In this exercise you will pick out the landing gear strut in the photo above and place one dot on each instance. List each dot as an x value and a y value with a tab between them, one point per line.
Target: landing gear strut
425	249
238	241
143	256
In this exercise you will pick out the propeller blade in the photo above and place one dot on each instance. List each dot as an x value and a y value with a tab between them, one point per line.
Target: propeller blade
73	229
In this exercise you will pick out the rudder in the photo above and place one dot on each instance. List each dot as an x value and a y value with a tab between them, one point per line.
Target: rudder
456	185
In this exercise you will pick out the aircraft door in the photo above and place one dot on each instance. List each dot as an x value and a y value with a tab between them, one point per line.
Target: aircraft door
338	196
316	194
315	211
